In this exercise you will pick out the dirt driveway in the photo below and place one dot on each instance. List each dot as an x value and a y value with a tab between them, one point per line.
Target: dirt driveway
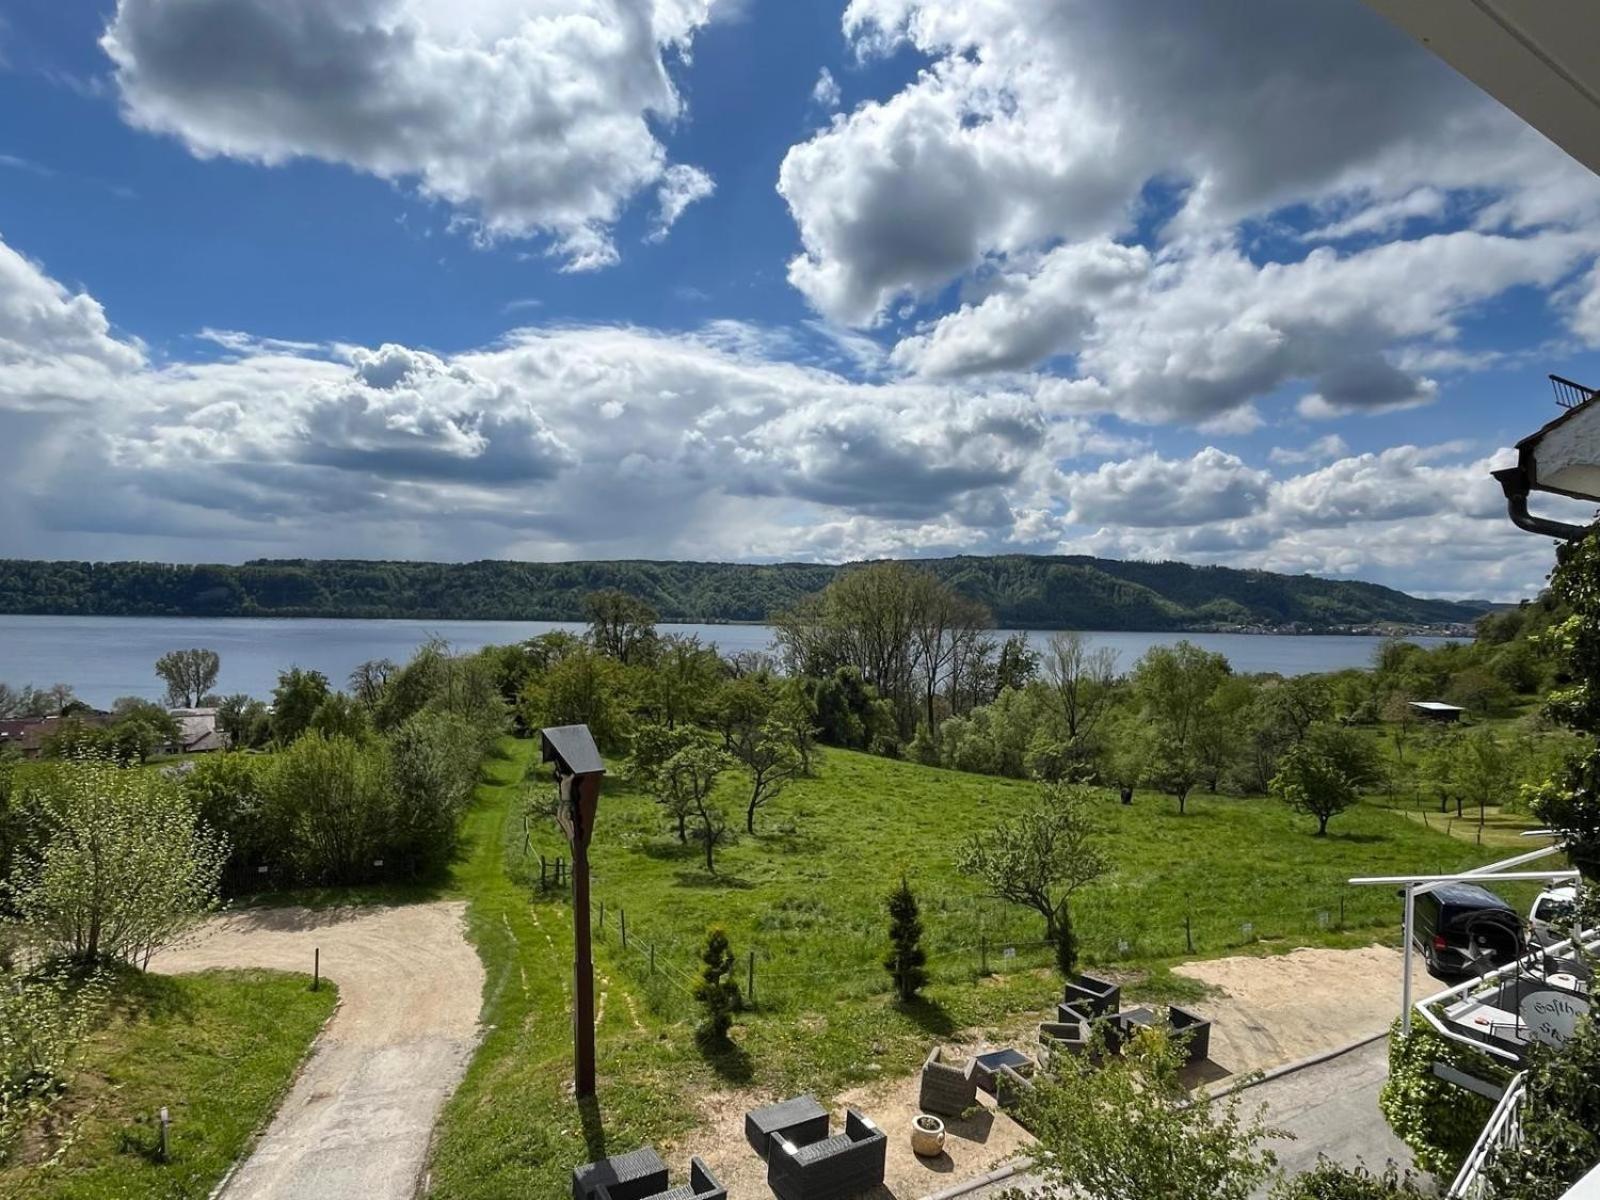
356	1124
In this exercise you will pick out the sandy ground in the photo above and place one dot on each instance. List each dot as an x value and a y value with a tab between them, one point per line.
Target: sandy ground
973	1145
1286	1007
356	1124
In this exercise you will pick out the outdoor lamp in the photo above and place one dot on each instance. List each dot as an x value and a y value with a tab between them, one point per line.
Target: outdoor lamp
1563	458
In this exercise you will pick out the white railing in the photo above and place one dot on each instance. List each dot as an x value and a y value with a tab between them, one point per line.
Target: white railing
1503	1129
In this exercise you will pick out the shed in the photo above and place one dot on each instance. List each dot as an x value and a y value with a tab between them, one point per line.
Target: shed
1438	710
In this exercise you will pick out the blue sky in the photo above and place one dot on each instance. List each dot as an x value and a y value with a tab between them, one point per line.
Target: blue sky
1245	283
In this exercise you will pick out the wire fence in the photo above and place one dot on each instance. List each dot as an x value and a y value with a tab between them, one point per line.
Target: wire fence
802	956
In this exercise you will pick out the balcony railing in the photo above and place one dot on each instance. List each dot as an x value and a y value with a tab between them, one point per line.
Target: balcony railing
1504	1129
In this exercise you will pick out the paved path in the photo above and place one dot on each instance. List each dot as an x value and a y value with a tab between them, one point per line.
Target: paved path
356	1124
1331	1108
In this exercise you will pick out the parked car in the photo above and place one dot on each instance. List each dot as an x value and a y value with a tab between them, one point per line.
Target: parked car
1464	929
1551	918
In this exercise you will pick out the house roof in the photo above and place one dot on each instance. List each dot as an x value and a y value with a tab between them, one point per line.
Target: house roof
1437	706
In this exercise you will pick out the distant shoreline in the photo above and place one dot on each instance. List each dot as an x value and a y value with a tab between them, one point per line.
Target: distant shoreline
1450	632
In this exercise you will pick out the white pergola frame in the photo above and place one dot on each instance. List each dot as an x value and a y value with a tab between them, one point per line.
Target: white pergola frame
1417	885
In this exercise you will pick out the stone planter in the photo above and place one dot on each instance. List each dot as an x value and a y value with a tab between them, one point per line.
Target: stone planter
927	1136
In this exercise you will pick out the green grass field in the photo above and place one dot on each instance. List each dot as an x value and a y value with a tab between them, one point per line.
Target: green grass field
807	895
218	1050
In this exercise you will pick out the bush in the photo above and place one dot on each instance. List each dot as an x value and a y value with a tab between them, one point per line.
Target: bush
1329	1181
906	961
1438	1120
331	797
226	791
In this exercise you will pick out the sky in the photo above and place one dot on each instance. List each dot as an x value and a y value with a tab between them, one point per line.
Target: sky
1233	281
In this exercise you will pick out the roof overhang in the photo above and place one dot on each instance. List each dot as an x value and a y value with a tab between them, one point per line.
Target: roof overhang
1540	58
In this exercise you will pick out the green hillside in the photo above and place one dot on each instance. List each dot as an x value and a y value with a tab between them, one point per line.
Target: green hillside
1022	590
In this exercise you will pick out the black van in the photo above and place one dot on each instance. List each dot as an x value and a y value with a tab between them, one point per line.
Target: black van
1463	929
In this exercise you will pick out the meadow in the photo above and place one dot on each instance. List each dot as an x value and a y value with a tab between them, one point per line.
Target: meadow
217	1049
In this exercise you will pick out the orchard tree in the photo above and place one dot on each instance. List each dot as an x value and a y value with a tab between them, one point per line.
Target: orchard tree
123	865
1039	858
1309	782
770	758
189	675
906	960
1082	683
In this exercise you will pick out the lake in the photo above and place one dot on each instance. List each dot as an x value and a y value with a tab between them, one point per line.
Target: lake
107	657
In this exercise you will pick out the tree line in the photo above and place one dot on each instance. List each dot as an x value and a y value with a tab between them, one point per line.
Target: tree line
1022	591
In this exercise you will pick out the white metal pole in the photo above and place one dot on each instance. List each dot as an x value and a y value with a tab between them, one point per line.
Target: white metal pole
1405	979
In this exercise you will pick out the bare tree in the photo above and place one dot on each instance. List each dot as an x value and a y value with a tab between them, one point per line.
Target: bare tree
369	679
1083	682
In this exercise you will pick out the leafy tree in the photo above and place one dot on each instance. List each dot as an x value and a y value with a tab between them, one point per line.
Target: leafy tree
769	756
583	687
295	701
46	1015
691	774
680	679
433	760
1485	771
1481	693
1174	685
1310	782
340	715
1042	856
1131	1129
716	990
906	961
369	679
238	717
621	626
124	866
189	675
1017	665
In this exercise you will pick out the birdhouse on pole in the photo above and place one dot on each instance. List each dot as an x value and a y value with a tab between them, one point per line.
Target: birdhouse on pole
579	770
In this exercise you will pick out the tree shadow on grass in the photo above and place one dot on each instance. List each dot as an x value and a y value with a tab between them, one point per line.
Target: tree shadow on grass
138	995
705	881
1357	839
727	1058
928	1015
670	851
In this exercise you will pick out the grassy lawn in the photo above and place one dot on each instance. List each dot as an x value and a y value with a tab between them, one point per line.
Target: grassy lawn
218	1050
807	895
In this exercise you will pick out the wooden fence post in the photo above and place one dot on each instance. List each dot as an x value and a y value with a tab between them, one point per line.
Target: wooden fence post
751	989
622	916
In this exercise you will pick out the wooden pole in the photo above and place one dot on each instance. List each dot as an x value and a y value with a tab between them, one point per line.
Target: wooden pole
316	968
751	989
583	975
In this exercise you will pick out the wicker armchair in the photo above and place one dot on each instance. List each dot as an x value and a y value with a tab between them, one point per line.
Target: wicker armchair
834	1168
1097	997
946	1087
1192	1031
1013	1091
636	1175
702	1185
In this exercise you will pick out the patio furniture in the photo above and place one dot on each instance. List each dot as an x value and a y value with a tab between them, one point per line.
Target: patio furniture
986	1065
801	1120
1192	1030
947	1088
1012	1092
633	1176
1074	1012
702	1185
1059	1040
833	1168
1124	1025
1098	997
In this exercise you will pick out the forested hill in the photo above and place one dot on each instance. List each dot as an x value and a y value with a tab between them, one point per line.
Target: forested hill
1074	592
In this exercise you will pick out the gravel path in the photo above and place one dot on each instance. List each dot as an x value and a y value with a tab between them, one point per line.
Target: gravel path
356	1124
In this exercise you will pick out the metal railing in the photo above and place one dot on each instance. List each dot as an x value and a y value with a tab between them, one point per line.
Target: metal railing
1504	1129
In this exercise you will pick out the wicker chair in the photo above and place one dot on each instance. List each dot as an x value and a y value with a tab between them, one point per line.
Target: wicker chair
637	1175
834	1168
1098	997
702	1185
1013	1091
1191	1030
947	1088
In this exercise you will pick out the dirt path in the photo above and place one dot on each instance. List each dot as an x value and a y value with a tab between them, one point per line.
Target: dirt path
356	1124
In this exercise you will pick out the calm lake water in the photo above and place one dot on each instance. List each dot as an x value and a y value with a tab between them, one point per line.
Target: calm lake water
107	657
